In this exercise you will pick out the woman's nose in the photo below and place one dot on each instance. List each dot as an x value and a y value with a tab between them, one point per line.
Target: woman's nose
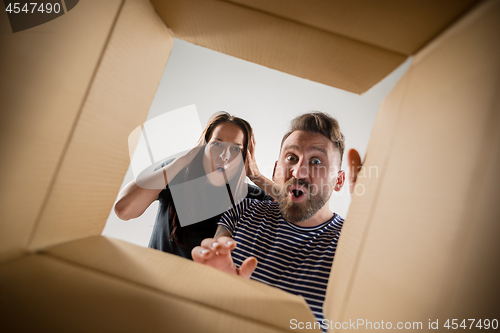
225	155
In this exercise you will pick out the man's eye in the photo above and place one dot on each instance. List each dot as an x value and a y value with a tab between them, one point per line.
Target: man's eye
315	161
291	158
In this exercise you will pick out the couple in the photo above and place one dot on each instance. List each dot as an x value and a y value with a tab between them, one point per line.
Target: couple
289	244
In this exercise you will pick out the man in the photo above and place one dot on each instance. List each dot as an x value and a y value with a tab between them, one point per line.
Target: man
293	240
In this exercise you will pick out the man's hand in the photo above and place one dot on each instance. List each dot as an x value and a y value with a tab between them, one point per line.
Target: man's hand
354	161
217	253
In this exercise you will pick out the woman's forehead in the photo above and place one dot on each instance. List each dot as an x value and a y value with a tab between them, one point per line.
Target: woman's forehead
228	132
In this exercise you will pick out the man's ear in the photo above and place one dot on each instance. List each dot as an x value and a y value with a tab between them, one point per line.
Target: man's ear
274	170
339	181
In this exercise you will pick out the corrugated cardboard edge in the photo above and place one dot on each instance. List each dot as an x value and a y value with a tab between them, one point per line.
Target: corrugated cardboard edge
46	73
183	279
278	43
118	101
479	243
44	294
401	27
357	225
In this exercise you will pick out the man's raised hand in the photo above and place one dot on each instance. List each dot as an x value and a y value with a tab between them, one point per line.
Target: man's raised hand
354	161
217	253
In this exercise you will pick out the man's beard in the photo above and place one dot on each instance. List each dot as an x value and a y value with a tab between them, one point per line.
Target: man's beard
295	212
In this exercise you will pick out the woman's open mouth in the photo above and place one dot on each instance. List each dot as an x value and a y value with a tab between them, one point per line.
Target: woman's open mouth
221	167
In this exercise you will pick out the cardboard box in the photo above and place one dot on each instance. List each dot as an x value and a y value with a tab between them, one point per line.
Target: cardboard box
418	246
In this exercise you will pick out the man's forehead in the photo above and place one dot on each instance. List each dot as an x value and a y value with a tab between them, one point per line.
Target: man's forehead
318	148
307	141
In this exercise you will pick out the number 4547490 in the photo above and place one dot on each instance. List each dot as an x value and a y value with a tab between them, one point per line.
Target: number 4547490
469	323
35	8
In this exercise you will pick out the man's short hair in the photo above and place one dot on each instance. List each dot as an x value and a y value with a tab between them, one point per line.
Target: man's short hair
322	123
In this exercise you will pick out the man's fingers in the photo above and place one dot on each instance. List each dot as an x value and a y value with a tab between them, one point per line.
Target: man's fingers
201	254
221	245
207	243
247	267
226	243
217	253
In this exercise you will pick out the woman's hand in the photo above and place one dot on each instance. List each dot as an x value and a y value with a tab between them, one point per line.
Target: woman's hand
251	167
190	155
254	174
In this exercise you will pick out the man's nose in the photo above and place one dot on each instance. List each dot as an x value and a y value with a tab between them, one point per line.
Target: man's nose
300	170
225	155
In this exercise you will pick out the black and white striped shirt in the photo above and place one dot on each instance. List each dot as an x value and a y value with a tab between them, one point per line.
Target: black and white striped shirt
292	258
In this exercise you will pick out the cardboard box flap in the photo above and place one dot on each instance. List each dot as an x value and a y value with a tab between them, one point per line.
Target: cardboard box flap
44	294
184	279
399	26
429	247
371	175
45	73
278	43
96	157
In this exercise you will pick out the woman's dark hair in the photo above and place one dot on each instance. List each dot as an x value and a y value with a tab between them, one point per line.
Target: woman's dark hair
195	169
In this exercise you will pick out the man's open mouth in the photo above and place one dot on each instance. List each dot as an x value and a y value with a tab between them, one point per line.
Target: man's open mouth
297	192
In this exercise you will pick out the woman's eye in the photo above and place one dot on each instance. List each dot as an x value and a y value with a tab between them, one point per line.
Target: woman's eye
236	149
315	161
291	158
216	144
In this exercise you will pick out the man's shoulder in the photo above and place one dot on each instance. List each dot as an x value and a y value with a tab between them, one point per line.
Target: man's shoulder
334	227
254	204
259	210
338	220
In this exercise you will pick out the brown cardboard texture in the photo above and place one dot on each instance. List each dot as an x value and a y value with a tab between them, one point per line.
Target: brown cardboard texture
181	278
73	97
44	294
45	78
401	27
420	243
129	80
346	44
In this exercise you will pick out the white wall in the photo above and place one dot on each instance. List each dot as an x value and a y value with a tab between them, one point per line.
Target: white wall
266	98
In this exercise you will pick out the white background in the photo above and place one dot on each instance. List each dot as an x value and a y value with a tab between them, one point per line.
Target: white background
267	99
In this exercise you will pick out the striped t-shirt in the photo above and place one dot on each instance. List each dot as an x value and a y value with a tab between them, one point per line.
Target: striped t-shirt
292	258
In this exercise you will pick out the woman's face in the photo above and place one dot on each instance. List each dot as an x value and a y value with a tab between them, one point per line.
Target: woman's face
223	153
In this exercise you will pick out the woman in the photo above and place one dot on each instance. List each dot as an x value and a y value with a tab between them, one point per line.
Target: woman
201	179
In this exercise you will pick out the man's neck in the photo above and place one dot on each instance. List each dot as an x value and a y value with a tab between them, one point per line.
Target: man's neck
321	216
